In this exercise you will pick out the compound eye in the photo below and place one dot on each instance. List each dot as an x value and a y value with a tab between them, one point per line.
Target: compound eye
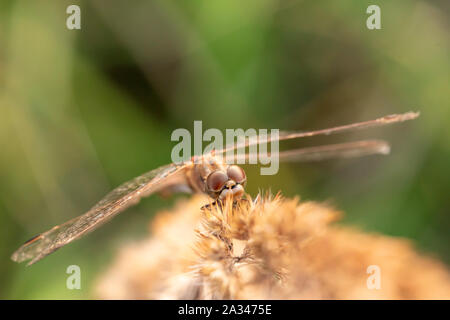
216	181
236	174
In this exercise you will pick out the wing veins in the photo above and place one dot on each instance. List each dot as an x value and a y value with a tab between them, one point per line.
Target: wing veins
116	201
258	139
328	151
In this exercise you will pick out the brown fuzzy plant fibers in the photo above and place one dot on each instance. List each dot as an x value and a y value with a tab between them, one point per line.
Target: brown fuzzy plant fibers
268	248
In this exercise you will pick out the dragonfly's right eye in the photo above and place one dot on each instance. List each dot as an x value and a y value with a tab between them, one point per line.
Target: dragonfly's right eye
216	181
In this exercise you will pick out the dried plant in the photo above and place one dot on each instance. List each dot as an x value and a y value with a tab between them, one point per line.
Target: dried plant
267	248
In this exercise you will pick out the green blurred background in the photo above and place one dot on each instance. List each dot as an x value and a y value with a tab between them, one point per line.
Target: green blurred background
85	110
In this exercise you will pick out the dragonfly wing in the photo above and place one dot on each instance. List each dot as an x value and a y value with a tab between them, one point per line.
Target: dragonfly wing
116	201
330	151
283	135
339	150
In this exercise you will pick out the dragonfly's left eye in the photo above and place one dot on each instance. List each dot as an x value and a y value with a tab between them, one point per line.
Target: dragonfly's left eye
216	181
236	174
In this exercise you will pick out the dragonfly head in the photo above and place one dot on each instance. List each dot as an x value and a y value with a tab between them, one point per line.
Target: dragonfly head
219	183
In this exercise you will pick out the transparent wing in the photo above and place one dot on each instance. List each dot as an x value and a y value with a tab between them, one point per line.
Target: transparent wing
258	139
116	201
330	151
340	150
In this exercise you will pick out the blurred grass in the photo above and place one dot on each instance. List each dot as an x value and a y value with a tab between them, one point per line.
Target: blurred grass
83	111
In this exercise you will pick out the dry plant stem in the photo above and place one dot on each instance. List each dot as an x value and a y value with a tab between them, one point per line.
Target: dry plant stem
271	248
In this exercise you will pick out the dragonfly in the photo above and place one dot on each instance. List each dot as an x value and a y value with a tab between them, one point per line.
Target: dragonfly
208	174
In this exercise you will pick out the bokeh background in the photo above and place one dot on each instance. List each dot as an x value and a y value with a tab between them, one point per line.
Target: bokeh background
82	111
